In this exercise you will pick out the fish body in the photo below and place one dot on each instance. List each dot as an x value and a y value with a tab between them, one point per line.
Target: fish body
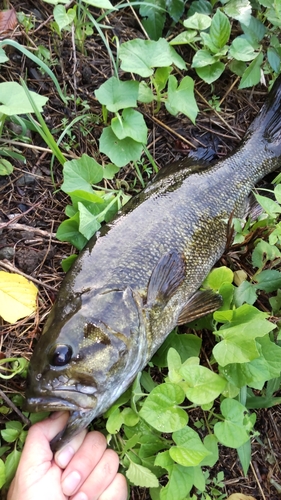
139	277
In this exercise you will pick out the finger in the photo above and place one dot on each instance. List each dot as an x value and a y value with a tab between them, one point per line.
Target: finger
39	437
84	462
62	457
117	490
101	477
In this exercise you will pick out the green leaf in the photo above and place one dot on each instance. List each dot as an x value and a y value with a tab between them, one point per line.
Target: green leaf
181	97
200	6
141	476
119	151
174	365
114	421
198	22
80	174
220	29
145	93
10	435
252	74
15	100
190	450
175	9
277	192
62	17
154	18
3	59
211	444
115	94
101	4
218	277
264	252
160	408
130	417
131	124
184	37
270	206
238	344
11	465
211	73
161	77
204	385
242	50
202	58
140	56
237	67
255	373
268	280
88	224
244	454
6	168
232	432
109	171
186	344
181	480
239	10
68	230
2	473
254	31
245	293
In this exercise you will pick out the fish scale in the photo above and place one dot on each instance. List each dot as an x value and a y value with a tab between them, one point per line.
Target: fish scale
140	276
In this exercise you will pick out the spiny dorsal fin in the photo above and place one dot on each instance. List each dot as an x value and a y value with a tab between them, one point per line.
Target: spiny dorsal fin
166	277
200	304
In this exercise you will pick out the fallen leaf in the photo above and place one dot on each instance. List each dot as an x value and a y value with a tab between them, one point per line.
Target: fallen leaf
240	496
8	21
17	297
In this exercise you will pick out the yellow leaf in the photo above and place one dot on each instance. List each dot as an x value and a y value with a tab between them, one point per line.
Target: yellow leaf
17	297
240	496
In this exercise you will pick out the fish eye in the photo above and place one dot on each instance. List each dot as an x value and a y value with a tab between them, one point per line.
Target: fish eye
61	355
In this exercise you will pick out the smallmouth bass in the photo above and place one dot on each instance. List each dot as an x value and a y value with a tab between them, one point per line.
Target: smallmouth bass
139	277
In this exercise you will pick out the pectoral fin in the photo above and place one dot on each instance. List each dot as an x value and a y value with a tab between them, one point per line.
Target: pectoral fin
200	304
166	277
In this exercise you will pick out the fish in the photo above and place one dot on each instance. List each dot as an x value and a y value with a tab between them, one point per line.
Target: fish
140	276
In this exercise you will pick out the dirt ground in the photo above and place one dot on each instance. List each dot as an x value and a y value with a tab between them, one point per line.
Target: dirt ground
31	207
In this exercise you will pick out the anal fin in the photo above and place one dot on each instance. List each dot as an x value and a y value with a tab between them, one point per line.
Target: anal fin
200	304
166	277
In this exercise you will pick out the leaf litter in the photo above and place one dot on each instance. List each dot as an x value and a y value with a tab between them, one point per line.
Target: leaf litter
28	197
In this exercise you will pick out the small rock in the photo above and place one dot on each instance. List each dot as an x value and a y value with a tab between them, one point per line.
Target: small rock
7	253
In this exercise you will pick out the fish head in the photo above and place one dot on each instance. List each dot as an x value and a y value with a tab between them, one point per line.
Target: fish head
87	356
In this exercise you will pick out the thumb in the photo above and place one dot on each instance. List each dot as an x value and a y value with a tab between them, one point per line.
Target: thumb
37	446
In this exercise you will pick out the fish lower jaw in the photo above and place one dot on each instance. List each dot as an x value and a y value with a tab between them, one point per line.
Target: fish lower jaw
63	400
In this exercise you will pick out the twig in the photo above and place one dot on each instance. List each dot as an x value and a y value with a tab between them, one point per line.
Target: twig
257	480
10	267
24	227
13	406
218	115
37	148
173	132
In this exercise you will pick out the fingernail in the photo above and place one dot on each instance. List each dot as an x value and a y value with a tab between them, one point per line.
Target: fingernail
64	456
80	496
71	483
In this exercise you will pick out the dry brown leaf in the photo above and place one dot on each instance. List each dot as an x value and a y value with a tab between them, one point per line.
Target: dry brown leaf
8	21
240	496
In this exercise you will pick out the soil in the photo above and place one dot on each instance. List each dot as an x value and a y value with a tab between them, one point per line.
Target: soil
32	206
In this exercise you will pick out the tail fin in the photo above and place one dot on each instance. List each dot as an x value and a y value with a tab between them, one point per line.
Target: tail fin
268	121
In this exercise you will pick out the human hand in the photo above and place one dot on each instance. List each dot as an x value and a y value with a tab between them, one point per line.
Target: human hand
83	470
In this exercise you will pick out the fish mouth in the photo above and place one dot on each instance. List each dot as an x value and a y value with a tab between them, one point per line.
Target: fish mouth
43	403
68	399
